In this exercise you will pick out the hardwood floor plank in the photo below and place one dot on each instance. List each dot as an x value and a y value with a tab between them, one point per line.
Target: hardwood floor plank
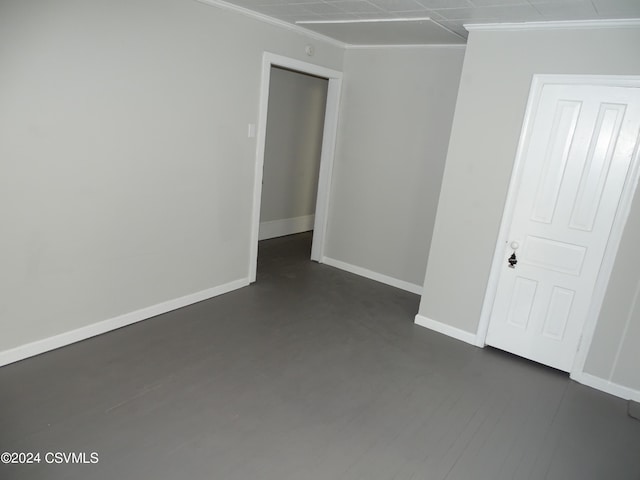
312	373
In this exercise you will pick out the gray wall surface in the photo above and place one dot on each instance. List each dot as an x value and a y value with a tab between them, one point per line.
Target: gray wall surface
394	128
494	88
295	121
614	353
126	174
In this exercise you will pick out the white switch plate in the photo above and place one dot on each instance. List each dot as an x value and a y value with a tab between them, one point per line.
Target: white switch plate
251	131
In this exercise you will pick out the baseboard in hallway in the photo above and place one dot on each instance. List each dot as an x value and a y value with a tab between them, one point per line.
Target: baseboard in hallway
285	226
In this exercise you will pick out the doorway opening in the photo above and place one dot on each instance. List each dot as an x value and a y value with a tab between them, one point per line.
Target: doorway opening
293	144
294	152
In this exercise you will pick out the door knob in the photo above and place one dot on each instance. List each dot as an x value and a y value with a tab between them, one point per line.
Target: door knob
512	259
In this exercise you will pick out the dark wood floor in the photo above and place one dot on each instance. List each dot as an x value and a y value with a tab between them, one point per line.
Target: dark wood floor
309	374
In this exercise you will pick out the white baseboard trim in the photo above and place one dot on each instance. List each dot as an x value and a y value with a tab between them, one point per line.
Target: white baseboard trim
82	333
378	277
286	226
606	386
446	329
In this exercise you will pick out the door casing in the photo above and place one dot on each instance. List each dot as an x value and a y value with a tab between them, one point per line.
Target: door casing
326	156
538	82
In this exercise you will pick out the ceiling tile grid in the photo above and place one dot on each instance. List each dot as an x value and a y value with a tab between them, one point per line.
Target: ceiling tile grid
448	15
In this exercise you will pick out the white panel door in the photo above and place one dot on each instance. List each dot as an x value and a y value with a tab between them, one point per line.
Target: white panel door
577	155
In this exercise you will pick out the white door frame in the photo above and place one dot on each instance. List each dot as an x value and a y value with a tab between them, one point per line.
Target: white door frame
539	81
326	156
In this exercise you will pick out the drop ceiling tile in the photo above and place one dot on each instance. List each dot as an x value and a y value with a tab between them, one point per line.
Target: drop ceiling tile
514	13
605	7
462	14
581	10
507	13
290	9
434	4
450	14
356	6
397	5
433	14
495	3
322	8
251	4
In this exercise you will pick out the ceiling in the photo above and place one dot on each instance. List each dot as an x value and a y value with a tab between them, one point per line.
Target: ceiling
400	22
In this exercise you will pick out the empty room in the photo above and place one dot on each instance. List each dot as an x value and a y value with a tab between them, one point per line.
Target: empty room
320	239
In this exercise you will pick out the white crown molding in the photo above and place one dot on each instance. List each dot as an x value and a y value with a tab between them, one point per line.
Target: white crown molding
410	46
557	25
365	20
273	21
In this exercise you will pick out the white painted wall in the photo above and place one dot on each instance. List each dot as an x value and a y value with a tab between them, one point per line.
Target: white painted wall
494	88
126	174
397	110
292	152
